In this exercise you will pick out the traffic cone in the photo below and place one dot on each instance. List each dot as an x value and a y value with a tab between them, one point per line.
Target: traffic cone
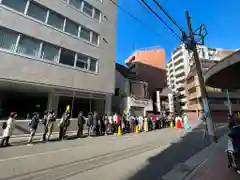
137	129
119	131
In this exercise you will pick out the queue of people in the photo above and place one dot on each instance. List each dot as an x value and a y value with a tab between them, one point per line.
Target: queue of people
97	125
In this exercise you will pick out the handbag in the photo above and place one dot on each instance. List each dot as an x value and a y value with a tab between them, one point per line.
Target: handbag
4	125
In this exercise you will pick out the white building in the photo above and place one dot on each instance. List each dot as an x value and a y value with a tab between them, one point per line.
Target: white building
180	64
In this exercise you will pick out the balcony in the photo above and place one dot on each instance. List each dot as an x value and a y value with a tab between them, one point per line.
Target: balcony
194	107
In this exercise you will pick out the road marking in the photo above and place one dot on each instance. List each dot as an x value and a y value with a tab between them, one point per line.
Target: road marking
59	150
37	154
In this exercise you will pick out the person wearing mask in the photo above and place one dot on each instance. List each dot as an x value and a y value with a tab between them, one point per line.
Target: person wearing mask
90	124
81	122
8	130
33	124
51	119
44	122
63	124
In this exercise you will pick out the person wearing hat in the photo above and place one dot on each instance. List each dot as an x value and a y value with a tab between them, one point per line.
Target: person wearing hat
33	124
7	133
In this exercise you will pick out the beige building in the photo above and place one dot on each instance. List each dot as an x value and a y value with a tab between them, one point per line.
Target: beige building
218	100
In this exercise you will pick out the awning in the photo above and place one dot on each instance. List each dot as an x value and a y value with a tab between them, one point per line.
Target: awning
226	73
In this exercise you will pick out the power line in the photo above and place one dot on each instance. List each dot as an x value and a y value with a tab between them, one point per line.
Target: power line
146	4
140	3
136	19
171	19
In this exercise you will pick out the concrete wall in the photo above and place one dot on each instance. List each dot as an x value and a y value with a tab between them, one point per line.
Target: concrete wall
19	68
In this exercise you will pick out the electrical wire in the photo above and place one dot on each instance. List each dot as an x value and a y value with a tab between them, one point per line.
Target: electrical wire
140	3
150	9
171	19
136	19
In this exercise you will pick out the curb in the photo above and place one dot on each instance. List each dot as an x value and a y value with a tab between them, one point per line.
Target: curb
186	170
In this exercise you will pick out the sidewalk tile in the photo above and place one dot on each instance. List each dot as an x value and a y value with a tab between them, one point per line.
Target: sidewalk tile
216	168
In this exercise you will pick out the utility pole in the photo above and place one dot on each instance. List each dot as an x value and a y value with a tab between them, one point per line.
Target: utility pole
192	45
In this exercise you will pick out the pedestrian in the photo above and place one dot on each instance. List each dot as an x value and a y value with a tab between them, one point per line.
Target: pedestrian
106	122
132	124
110	123
51	120
8	130
33	124
81	122
96	123
186	124
45	128
140	123
90	123
63	124
145	124
117	120
203	119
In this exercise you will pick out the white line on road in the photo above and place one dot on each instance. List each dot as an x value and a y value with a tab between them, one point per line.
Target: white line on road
55	151
37	154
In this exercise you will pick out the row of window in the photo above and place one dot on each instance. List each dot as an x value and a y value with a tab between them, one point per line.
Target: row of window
178	55
21	44
178	62
85	8
179	68
53	19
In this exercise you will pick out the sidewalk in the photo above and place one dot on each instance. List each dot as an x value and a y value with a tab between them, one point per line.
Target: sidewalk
215	168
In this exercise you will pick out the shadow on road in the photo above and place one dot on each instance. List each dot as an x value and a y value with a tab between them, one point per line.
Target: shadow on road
178	152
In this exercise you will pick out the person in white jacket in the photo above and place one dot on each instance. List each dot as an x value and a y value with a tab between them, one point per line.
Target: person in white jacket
7	133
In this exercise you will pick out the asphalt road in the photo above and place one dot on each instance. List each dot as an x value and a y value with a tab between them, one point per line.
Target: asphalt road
132	156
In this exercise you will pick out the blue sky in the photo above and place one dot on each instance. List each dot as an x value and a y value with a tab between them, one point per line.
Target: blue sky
220	16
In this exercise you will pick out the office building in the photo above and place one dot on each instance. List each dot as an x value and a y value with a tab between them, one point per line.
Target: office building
56	53
179	67
218	99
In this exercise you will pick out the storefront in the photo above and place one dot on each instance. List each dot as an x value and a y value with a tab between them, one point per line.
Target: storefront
139	107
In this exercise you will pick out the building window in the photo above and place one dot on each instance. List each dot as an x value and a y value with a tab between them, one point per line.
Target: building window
88	9
67	57
117	92
71	27
82	61
76	3
50	52
18	5
97	15
8	39
36	11
95	38
28	46
56	20
93	65
85	34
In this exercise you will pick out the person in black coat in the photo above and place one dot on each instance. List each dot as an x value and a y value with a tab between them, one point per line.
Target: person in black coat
33	124
81	122
90	123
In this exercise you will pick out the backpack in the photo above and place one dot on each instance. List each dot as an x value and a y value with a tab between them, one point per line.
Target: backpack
4	125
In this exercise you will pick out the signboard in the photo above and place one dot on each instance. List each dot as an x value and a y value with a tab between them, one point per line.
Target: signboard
138	103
